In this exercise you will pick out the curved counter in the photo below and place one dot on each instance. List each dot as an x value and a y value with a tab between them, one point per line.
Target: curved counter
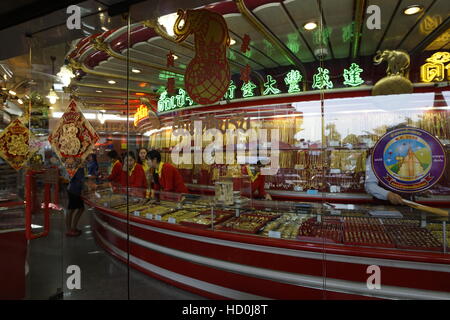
225	265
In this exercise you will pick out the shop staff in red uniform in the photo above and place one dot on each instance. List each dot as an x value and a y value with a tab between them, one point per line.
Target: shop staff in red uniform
167	177
136	175
257	181
116	172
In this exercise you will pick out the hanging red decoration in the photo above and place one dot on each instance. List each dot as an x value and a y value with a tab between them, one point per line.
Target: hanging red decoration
15	144
170	59
73	138
207	75
245	73
245	46
171	86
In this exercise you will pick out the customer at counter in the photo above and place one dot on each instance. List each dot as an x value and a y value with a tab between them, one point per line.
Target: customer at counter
166	177
257	181
133	174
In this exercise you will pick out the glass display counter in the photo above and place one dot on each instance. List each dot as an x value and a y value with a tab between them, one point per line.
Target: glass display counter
271	249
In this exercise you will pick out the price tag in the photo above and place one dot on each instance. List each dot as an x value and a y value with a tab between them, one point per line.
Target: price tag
158	217
335	212
137	213
274	234
172	220
149	216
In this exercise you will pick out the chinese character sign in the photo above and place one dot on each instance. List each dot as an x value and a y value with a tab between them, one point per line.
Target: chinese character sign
352	76
321	80
292	80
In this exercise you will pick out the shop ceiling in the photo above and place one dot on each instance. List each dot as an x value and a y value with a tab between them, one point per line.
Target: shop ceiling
278	38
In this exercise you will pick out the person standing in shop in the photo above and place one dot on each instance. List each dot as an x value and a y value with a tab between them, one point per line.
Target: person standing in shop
133	174
76	203
257	181
116	171
166	177
142	160
92	167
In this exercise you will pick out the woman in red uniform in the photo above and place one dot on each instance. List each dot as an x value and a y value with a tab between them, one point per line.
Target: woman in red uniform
166	177
257	182
116	173
133	174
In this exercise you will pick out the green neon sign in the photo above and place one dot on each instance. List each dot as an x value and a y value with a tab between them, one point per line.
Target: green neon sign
181	100
292	80
270	86
352	76
247	89
321	80
229	95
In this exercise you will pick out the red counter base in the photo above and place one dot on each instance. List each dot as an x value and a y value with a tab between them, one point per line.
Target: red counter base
232	266
13	251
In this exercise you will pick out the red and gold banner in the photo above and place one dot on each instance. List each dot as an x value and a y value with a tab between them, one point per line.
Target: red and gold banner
15	144
73	138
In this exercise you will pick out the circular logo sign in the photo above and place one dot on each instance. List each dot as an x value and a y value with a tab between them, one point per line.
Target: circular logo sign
408	160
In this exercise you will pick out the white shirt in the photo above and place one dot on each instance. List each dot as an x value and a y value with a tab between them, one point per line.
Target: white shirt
371	184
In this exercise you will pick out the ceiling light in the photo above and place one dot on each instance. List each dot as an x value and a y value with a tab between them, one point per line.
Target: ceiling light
20	101
99	9
111	82
134	70
13	93
232	41
310	25
65	75
175	57
52	96
412	10
99	91
104	28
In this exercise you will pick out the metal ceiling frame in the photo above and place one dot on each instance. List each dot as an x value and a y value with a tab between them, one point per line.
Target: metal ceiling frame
275	41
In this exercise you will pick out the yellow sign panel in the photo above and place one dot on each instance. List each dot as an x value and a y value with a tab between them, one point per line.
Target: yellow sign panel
141	113
434	69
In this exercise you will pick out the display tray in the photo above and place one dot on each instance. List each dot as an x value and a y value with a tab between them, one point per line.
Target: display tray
245	224
328	231
414	238
368	239
203	220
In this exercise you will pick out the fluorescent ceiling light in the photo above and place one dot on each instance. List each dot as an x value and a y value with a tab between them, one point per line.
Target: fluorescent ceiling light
134	70
409	11
310	25
112	82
